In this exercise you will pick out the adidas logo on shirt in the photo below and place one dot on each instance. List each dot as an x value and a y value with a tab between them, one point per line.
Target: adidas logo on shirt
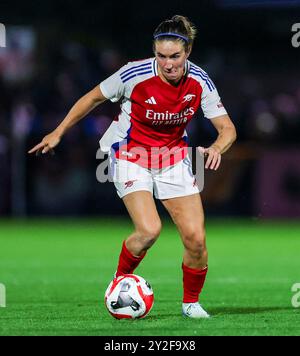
151	101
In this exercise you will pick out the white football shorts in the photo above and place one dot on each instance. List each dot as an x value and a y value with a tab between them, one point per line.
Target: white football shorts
166	183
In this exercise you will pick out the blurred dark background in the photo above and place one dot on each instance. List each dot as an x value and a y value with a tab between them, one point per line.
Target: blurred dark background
57	51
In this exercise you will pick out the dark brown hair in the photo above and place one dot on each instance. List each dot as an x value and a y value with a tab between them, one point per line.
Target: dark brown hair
179	25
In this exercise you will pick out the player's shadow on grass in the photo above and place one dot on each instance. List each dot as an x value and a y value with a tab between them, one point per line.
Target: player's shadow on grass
248	310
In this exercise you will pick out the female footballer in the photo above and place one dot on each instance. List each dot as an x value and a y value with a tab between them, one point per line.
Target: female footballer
147	146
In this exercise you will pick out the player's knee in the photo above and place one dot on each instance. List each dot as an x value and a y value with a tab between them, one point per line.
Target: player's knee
149	233
198	248
195	242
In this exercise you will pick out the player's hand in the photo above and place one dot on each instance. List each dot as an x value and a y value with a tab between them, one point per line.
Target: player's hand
47	144
212	155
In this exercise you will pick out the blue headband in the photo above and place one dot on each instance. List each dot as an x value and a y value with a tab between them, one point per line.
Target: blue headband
171	34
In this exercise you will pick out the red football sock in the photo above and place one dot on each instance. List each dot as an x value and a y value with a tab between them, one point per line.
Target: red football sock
193	281
127	261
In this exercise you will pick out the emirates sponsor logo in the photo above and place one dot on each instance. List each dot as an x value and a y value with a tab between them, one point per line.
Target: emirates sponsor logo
169	118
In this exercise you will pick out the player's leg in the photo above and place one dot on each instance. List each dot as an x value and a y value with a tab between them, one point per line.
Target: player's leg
142	210
187	213
177	188
134	185
147	225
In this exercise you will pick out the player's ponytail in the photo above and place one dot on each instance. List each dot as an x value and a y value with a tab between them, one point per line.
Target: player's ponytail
179	28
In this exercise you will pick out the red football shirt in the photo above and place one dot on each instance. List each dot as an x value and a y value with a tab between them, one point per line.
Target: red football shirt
150	130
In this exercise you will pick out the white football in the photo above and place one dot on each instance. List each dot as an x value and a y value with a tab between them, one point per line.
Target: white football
129	297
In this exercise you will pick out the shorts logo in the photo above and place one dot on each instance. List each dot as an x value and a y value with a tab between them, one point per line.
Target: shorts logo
195	184
129	183
188	97
220	105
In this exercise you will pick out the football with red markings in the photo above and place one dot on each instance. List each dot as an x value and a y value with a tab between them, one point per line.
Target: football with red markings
129	297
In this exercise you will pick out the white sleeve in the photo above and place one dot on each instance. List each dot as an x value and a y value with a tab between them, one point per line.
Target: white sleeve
211	103
113	88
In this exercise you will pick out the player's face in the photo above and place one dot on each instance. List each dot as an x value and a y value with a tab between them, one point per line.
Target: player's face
171	57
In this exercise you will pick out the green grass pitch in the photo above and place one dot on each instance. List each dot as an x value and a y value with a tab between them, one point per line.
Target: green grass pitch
56	273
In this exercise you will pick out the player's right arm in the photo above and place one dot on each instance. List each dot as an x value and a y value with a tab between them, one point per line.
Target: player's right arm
80	109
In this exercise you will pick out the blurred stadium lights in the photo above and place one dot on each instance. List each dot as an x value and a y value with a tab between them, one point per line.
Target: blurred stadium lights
17	69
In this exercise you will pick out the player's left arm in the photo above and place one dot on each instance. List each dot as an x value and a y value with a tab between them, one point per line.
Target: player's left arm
226	136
